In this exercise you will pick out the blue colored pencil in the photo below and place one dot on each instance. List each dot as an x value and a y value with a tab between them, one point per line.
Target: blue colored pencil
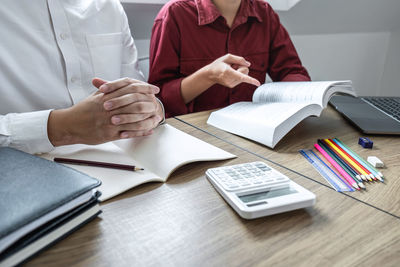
366	164
342	164
349	167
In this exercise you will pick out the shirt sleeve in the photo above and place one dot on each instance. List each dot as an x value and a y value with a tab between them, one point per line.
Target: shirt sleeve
285	64
130	61
26	131
164	65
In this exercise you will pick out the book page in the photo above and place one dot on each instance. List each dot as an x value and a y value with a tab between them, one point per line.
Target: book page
258	121
169	148
307	92
159	154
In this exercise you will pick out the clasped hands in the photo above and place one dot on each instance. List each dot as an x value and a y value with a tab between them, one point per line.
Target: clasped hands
120	109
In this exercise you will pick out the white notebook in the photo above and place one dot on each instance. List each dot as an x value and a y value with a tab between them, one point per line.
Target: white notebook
159	154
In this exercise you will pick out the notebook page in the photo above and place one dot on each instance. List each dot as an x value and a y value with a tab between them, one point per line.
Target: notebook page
159	154
306	92
113	181
169	148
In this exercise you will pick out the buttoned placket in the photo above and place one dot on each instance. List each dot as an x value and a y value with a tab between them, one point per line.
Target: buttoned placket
68	50
231	50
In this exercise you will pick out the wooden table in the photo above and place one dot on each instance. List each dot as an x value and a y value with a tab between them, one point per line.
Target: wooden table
330	124
185	222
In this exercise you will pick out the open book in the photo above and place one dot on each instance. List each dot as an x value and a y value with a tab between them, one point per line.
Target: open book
159	154
277	108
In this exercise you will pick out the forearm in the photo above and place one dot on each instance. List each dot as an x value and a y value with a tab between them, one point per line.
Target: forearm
195	84
300	76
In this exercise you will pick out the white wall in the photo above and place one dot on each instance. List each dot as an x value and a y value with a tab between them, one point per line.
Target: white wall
390	83
336	39
349	39
345	56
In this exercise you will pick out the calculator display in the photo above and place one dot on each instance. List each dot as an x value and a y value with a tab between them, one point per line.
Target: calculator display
268	194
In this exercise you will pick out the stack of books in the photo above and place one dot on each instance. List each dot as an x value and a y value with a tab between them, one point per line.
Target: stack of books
40	203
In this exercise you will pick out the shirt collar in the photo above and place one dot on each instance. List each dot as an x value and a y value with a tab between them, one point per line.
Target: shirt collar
208	13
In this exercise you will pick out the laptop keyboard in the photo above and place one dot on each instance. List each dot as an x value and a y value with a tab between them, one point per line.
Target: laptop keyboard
389	105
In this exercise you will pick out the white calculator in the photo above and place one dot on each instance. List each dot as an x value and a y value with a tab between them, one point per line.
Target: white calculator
255	189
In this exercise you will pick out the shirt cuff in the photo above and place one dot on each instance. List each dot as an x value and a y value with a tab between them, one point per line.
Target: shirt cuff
28	131
172	97
163	111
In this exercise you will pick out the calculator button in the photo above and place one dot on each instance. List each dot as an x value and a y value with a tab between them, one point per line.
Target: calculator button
247	176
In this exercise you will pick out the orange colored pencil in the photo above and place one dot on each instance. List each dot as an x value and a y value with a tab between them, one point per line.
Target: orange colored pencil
355	160
348	160
359	175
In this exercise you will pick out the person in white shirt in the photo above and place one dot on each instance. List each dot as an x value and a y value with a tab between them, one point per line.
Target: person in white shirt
50	50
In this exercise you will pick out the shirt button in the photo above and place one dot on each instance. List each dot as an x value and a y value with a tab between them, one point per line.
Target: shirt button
63	36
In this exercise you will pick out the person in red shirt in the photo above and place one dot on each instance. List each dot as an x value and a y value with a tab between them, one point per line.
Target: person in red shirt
207	54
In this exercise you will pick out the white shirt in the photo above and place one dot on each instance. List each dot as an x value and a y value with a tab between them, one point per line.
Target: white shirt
49	53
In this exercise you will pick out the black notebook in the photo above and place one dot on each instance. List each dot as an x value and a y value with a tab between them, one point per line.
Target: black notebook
35	191
51	232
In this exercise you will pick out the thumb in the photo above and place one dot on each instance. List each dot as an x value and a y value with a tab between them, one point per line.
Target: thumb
97	82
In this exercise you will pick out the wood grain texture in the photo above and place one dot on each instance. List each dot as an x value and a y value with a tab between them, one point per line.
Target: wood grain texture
185	222
330	125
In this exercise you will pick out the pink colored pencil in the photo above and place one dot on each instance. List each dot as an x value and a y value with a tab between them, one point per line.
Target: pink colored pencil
337	167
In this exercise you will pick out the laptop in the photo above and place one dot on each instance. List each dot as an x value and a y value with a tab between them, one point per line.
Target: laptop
372	115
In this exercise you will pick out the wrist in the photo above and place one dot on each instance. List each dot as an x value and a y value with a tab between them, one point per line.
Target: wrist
160	111
207	76
57	128
195	84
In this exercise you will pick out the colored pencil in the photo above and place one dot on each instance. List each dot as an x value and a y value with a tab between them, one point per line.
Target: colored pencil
348	160
342	164
367	172
338	158
351	169
357	158
337	167
377	173
356	171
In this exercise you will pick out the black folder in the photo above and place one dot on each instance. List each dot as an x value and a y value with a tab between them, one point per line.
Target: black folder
35	192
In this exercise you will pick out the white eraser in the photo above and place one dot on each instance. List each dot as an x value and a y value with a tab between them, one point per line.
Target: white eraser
377	163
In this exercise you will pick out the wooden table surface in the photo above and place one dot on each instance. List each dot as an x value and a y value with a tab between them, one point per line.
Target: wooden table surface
185	222
330	124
